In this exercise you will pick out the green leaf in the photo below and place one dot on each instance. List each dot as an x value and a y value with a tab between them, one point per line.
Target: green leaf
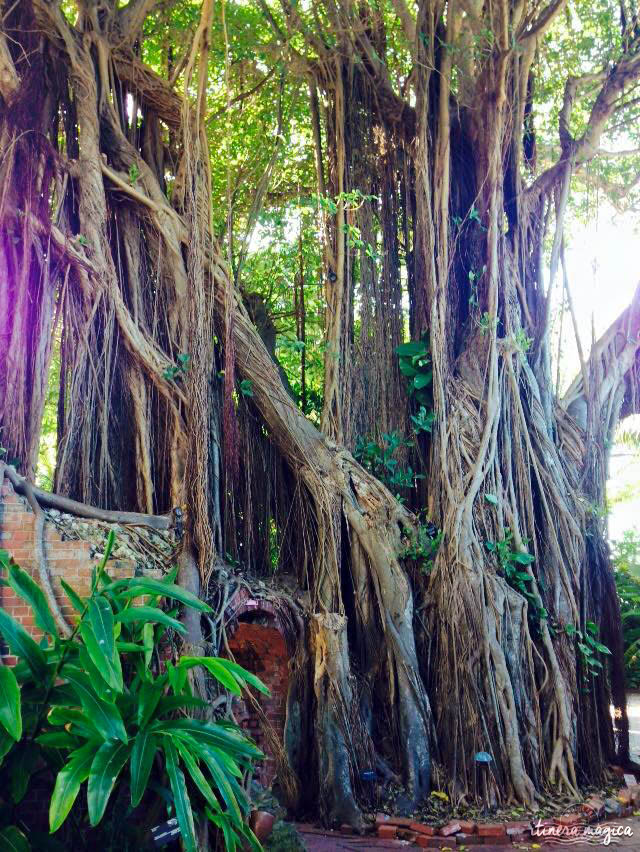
422	380
103	715
600	647
24	586
23	646
109	667
68	782
196	773
133	614
13	840
221	780
180	797
148	586
10	713
6	744
491	498
144	749
214	667
96	675
76	601
148	698
230	740
25	760
524	558
106	767
243	675
406	368
101	620
57	739
412	348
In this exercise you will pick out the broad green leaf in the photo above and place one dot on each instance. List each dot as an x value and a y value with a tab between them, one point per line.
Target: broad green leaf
149	696
214	734
491	498
148	586
148	613
169	703
57	739
23	646
106	767
23	585
524	558
106	717
96	675
177	677
214	667
13	840
243	675
68	782
600	647
109	666
76	601
180	797
10	711
191	763
422	380
6	744
222	780
144	749
24	761
412	348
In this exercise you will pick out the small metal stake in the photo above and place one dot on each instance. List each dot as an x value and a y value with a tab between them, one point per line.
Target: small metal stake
483	759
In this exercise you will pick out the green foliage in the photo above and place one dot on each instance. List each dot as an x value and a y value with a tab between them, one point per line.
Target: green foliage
421	545
626	566
512	562
588	646
380	460
98	711
415	363
178	371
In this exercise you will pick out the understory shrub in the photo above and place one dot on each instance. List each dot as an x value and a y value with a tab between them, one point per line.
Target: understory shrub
118	735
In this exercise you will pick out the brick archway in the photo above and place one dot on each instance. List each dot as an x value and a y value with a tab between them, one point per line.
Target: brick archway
257	642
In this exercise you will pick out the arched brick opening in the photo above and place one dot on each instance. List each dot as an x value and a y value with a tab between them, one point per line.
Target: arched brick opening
258	644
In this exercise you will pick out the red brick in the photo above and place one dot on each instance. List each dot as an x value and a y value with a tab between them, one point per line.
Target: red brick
489	829
469	840
435	842
449	829
387	832
422	828
503	840
467	826
407	834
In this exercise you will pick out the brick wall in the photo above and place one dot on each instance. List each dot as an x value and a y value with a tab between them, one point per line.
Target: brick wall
260	648
70	560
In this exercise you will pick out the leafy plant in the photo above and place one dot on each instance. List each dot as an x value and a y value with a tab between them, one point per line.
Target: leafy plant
588	646
422	546
99	711
423	420
380	460
246	387
415	363
511	563
134	173
178	370
626	565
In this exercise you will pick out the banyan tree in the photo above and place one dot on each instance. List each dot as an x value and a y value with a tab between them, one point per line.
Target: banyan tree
437	625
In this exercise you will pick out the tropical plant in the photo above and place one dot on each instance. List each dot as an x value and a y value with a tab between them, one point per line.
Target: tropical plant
99	707
625	553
